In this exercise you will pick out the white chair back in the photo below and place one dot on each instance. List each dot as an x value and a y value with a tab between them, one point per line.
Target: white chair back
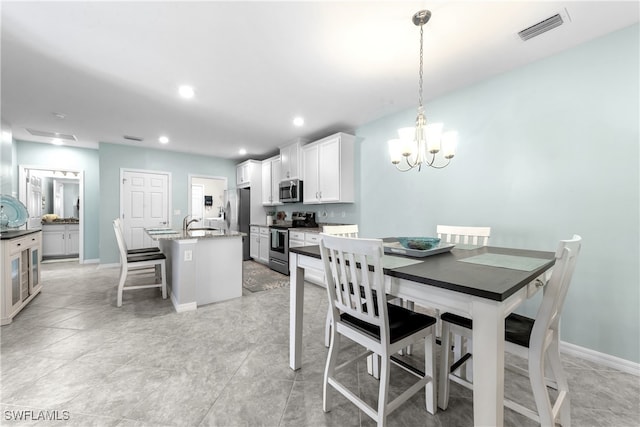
341	230
555	291
464	235
354	277
122	247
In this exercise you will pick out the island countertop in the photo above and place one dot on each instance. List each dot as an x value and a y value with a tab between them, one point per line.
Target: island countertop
195	233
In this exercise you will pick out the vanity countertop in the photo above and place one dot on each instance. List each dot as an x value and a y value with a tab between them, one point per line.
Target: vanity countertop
12	234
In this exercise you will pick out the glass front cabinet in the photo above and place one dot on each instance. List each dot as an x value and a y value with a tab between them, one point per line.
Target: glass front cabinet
21	272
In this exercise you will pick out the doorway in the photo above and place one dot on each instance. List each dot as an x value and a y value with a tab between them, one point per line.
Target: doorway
206	199
55	203
144	202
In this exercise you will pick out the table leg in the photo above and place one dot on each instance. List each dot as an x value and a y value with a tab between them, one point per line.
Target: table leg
488	363
296	303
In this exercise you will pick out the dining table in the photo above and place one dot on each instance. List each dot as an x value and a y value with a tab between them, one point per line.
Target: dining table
483	283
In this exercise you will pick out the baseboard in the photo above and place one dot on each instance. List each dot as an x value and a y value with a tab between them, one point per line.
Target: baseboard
614	362
181	308
91	261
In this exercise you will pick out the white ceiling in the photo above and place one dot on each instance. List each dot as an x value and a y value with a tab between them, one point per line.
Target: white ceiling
113	68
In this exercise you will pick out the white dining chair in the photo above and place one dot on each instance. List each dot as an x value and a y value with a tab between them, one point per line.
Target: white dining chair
350	230
360	312
137	262
463	235
135	251
534	339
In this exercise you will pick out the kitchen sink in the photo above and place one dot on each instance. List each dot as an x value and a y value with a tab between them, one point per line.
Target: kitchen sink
204	231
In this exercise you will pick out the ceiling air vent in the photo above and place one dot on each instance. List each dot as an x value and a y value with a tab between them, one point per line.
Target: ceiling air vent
544	26
48	134
133	138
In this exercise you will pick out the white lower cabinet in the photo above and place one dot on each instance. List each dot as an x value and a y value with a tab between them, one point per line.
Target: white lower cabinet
60	239
21	273
264	245
308	238
254	243
259	243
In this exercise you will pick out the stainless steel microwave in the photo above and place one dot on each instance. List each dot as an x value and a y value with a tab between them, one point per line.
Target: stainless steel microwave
291	191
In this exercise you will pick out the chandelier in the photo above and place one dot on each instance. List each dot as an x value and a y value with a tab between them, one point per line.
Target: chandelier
418	145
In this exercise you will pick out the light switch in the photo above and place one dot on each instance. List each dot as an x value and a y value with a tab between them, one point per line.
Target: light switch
176	212
188	255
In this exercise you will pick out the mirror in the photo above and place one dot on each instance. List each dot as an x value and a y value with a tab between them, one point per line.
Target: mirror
58	194
206	197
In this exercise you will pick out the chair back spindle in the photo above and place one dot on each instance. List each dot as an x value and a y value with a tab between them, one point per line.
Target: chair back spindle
464	235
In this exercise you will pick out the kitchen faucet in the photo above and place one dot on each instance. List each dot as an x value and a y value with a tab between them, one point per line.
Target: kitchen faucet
185	224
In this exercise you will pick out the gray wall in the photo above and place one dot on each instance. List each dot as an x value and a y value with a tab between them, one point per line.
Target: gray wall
545	151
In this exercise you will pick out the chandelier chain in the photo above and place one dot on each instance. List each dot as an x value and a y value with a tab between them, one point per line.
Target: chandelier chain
420	73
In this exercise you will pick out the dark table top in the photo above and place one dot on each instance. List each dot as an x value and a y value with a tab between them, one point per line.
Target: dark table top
445	271
12	234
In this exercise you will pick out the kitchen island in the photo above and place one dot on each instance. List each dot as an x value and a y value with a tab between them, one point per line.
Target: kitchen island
203	265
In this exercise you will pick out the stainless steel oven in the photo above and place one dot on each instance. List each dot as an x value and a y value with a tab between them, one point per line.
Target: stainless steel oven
279	249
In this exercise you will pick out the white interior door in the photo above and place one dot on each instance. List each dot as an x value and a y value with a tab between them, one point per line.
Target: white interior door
145	203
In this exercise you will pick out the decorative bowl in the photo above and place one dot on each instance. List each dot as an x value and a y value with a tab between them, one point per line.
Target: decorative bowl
419	243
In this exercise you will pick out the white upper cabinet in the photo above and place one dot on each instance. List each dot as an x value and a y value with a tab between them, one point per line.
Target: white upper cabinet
270	181
328	170
291	163
245	171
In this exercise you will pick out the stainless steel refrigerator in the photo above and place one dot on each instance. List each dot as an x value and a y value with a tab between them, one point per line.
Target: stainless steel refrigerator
238	215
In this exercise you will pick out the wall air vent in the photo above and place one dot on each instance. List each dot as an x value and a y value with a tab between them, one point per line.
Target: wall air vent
133	138
544	26
47	134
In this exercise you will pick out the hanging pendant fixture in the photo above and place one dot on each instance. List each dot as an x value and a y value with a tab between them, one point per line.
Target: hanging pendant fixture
419	145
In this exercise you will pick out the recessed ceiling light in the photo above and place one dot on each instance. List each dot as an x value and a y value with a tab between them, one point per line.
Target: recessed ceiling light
163	140
242	152
186	91
56	141
298	121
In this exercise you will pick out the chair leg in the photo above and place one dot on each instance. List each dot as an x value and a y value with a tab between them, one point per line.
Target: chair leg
445	364
163	271
539	387
329	370
383	392
467	345
430	370
553	354
327	329
409	305
123	278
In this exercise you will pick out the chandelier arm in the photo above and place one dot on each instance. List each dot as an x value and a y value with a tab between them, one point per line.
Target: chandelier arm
432	162
403	170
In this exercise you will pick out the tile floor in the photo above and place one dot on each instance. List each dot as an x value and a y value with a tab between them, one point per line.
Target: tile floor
72	351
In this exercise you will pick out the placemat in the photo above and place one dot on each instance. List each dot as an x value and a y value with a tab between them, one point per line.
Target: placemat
390	262
506	261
